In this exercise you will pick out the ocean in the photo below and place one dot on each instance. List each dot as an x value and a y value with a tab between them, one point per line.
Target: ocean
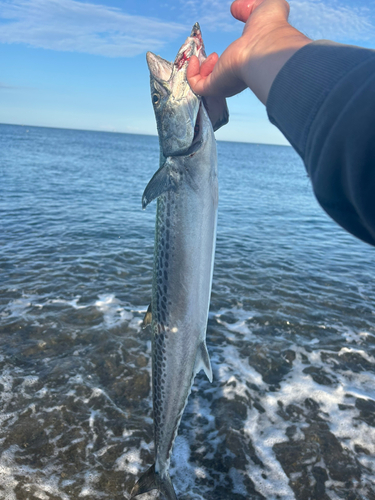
291	410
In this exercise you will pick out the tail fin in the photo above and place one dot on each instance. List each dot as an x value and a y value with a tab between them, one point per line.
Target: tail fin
151	480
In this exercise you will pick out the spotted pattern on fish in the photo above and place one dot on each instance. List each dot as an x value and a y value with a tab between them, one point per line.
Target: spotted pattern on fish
161	303
161	261
159	393
159	366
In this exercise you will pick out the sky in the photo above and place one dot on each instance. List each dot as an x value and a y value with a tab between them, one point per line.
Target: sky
81	64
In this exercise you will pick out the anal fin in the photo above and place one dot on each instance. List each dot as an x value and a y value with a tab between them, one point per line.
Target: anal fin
202	361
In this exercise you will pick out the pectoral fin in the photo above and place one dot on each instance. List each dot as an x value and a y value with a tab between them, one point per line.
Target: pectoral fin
202	361
147	318
217	111
161	182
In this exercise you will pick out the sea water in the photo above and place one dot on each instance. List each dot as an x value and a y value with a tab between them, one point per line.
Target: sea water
291	410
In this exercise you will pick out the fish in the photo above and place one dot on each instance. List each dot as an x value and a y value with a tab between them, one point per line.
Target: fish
186	189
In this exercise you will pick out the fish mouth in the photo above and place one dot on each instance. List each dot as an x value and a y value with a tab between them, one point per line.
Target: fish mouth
193	46
177	118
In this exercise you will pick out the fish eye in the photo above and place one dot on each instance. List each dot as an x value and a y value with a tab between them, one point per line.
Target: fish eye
155	99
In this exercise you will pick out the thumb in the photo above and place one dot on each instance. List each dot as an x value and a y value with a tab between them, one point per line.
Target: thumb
242	9
277	10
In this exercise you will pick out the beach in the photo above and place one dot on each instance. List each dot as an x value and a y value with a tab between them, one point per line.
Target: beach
291	410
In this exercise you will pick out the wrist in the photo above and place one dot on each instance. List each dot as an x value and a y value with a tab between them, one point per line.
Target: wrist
264	57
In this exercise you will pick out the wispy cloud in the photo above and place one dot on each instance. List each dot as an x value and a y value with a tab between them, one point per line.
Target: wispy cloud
78	26
71	25
4	86
330	19
214	15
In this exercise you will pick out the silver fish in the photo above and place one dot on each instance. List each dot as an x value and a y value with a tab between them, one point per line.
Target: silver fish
186	189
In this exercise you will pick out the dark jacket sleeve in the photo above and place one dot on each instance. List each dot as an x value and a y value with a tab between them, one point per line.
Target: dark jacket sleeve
323	101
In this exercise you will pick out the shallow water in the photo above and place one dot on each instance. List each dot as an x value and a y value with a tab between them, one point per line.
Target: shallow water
291	411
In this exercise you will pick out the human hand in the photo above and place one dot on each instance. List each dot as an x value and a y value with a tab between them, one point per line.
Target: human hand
254	59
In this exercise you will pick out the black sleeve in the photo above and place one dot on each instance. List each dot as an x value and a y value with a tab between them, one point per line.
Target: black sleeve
323	101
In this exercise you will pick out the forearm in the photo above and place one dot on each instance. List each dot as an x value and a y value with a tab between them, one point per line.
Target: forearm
323	100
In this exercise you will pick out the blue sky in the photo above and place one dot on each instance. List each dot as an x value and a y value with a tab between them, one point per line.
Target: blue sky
81	64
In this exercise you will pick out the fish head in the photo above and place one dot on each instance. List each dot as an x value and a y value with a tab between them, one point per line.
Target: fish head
175	104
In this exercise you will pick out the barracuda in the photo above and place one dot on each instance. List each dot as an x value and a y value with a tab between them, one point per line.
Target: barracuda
186	189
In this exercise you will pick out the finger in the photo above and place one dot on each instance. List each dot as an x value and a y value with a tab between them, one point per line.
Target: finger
202	86
208	65
193	75
199	85
193	68
241	9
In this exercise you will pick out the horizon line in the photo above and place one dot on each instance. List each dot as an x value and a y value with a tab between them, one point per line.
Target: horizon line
133	133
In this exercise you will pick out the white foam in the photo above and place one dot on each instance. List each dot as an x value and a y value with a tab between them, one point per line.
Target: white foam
130	462
240	325
22	306
232	374
73	303
182	470
7	478
238	481
97	392
6	396
41	495
30	380
267	429
113	313
47	483
240	367
362	353
89	487
19	307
